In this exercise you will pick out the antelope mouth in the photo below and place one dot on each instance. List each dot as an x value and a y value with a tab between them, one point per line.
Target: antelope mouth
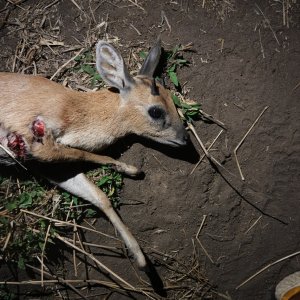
176	143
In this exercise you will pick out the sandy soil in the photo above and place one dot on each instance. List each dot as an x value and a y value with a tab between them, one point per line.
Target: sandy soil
239	66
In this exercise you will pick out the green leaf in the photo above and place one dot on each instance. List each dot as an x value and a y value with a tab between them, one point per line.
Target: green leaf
143	54
172	68
88	69
4	221
10	206
103	180
25	200
175	50
176	100
174	78
97	77
180	61
90	213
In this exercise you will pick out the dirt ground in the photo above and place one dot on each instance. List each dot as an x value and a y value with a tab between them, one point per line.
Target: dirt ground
244	59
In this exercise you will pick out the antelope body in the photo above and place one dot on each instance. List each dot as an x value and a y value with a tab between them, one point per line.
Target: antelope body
44	121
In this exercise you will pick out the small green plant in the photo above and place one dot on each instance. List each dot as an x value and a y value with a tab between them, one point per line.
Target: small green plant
85	64
175	61
26	236
109	181
190	109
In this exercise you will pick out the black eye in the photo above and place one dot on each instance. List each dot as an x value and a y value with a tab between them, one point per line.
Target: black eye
156	112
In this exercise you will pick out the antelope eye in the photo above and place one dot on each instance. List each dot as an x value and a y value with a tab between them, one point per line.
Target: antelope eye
156	112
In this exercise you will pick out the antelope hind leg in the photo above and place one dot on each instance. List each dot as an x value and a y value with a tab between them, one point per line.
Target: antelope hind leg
81	186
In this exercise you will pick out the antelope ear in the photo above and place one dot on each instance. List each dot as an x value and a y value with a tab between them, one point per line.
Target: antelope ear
111	67
151	60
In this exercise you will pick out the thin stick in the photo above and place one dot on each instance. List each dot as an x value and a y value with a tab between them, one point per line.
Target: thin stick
137	5
51	4
67	224
91	256
255	222
209	147
164	18
212	119
77	5
74	251
77	281
242	140
297	85
58	279
192	128
266	267
198	240
93	245
9	235
137	31
269	23
46	240
65	64
261	46
12	156
211	158
43	253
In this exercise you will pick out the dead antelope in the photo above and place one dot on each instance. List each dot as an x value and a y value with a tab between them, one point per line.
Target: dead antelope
43	121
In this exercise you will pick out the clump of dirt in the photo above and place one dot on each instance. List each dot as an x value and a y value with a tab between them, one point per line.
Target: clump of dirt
202	226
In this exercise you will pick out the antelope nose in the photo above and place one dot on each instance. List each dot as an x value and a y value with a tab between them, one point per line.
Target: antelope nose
183	135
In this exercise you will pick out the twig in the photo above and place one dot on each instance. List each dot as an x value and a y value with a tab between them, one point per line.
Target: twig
137	31
137	5
242	140
43	253
65	64
209	147
55	206
68	282
266	267
210	157
192	128
255	222
91	256
160	163
51	4
212	119
59	280
12	156
261	46
9	235
165	19
296	86
77	5
198	240
269	23
74	251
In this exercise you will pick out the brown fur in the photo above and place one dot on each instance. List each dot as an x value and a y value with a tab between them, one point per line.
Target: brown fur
75	123
88	121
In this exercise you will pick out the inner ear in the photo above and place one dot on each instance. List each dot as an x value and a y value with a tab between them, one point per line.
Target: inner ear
111	67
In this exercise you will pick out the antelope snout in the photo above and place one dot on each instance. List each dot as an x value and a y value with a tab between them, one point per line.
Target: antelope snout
182	136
